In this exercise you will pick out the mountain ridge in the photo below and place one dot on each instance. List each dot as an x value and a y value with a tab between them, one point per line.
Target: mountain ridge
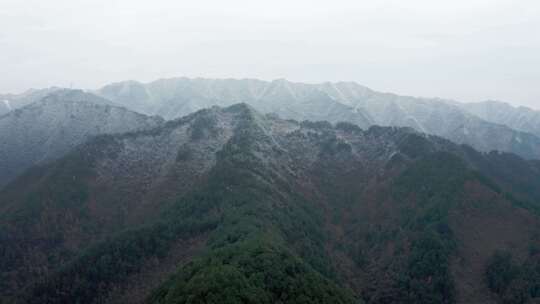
50	128
341	101
334	212
519	118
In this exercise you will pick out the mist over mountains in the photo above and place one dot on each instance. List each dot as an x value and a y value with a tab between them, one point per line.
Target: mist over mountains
518	118
45	124
51	127
13	101
245	191
334	102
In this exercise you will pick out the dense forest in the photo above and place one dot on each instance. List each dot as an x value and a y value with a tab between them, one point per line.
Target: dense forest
255	209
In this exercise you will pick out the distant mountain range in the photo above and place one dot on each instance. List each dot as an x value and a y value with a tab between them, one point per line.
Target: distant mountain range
486	126
173	98
518	118
343	101
229	205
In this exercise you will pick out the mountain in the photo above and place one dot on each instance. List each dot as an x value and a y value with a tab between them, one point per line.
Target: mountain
47	129
334	102
10	102
173	98
228	205
439	117
519	118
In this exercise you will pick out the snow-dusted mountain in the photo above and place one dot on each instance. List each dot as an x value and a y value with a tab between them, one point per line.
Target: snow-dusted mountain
9	102
229	198
173	98
49	128
334	102
519	118
440	117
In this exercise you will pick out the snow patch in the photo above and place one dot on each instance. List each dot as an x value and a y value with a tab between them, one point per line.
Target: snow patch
342	98
8	105
391	155
288	87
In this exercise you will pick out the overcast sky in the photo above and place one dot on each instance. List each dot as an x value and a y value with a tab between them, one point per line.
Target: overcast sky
468	50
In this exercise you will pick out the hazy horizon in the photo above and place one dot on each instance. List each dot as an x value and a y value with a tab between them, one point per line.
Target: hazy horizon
464	50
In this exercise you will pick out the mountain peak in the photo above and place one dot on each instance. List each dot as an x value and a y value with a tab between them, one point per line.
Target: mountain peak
56	124
75	95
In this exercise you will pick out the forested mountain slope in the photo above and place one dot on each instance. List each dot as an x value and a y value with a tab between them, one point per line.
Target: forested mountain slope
231	206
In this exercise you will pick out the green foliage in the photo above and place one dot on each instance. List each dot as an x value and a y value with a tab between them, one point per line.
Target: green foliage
427	278
420	234
66	190
250	213
109	262
332	147
515	176
514	283
415	145
348	127
203	125
252	271
436	183
266	243
317	125
248	261
184	154
500	272
62	196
